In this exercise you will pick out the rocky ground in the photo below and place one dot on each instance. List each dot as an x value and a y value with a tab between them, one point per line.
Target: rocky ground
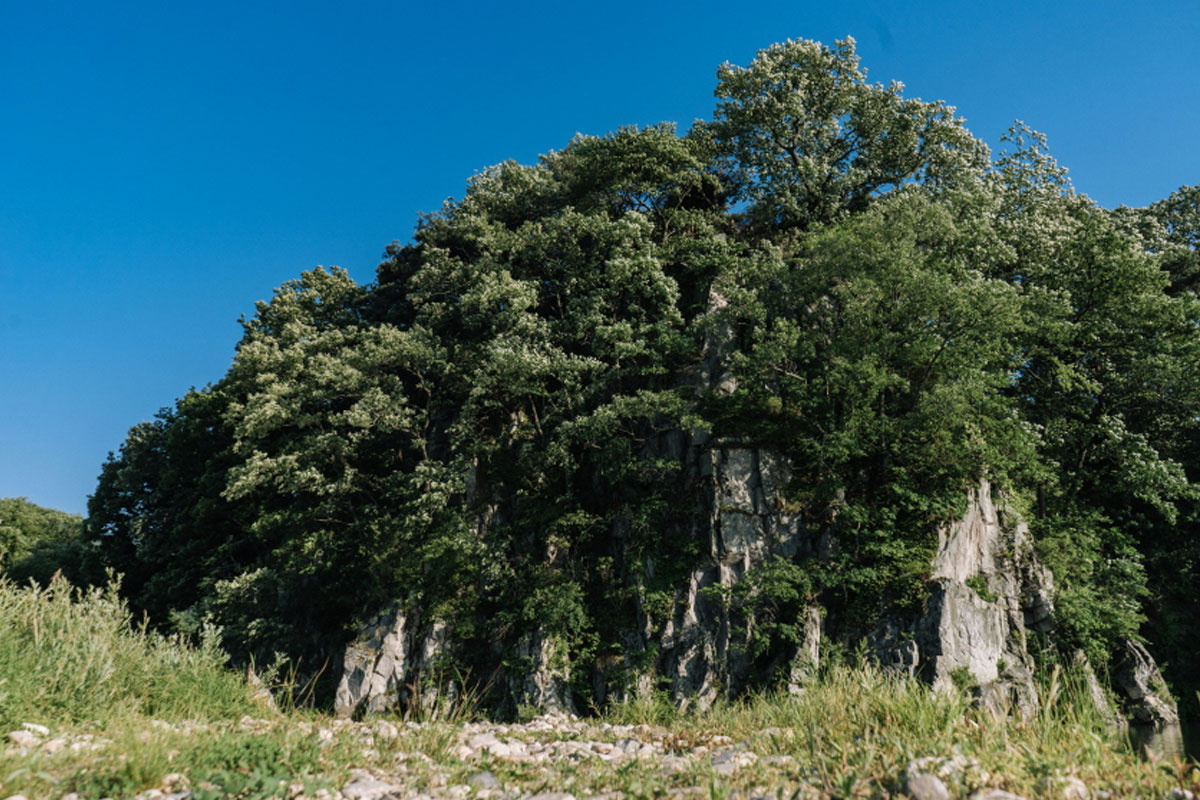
548	758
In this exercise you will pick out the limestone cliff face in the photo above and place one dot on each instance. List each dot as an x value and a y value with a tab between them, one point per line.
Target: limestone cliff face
392	663
745	523
988	591
1141	687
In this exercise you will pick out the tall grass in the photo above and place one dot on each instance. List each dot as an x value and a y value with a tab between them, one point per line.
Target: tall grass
855	731
72	656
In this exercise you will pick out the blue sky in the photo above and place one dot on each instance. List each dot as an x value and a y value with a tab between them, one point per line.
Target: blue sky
164	165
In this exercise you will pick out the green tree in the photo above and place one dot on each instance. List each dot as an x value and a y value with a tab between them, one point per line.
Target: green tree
36	542
810	140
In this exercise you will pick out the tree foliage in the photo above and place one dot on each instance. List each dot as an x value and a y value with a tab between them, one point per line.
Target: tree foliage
484	431
36	542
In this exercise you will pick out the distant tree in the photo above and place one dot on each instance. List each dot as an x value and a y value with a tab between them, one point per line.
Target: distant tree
36	542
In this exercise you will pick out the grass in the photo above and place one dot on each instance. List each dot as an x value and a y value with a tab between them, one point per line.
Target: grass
69	656
131	711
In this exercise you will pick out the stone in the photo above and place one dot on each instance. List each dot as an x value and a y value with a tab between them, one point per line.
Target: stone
385	730
484	780
808	653
994	794
34	728
1095	692
926	787
369	789
1063	787
730	761
1145	695
958	771
24	738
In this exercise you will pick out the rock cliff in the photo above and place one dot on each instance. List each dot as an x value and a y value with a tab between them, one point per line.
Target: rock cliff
987	592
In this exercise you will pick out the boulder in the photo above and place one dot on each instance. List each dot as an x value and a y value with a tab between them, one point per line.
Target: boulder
1144	693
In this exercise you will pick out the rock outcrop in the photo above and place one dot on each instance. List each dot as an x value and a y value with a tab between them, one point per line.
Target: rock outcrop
746	523
1144	693
390	663
987	591
544	680
1095	692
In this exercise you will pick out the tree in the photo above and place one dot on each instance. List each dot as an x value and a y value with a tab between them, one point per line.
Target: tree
36	542
810	140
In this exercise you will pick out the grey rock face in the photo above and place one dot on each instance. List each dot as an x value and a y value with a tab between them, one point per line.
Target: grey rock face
1145	695
987	583
545	683
745	524
808	655
380	666
926	787
1095	691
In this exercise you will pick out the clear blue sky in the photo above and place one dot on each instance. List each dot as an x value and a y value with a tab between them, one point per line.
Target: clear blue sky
165	164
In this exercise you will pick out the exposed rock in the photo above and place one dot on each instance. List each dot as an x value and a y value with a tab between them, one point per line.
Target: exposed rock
1063	787
808	654
955	773
994	794
926	787
23	738
747	525
380	666
545	681
729	762
986	583
260	692
369	789
1159	741
484	780
1146	698
987	590
1095	692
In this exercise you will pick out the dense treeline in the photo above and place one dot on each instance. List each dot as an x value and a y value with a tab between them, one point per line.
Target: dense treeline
890	306
36	542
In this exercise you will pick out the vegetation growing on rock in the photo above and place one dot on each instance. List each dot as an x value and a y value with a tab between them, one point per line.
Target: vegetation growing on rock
489	432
